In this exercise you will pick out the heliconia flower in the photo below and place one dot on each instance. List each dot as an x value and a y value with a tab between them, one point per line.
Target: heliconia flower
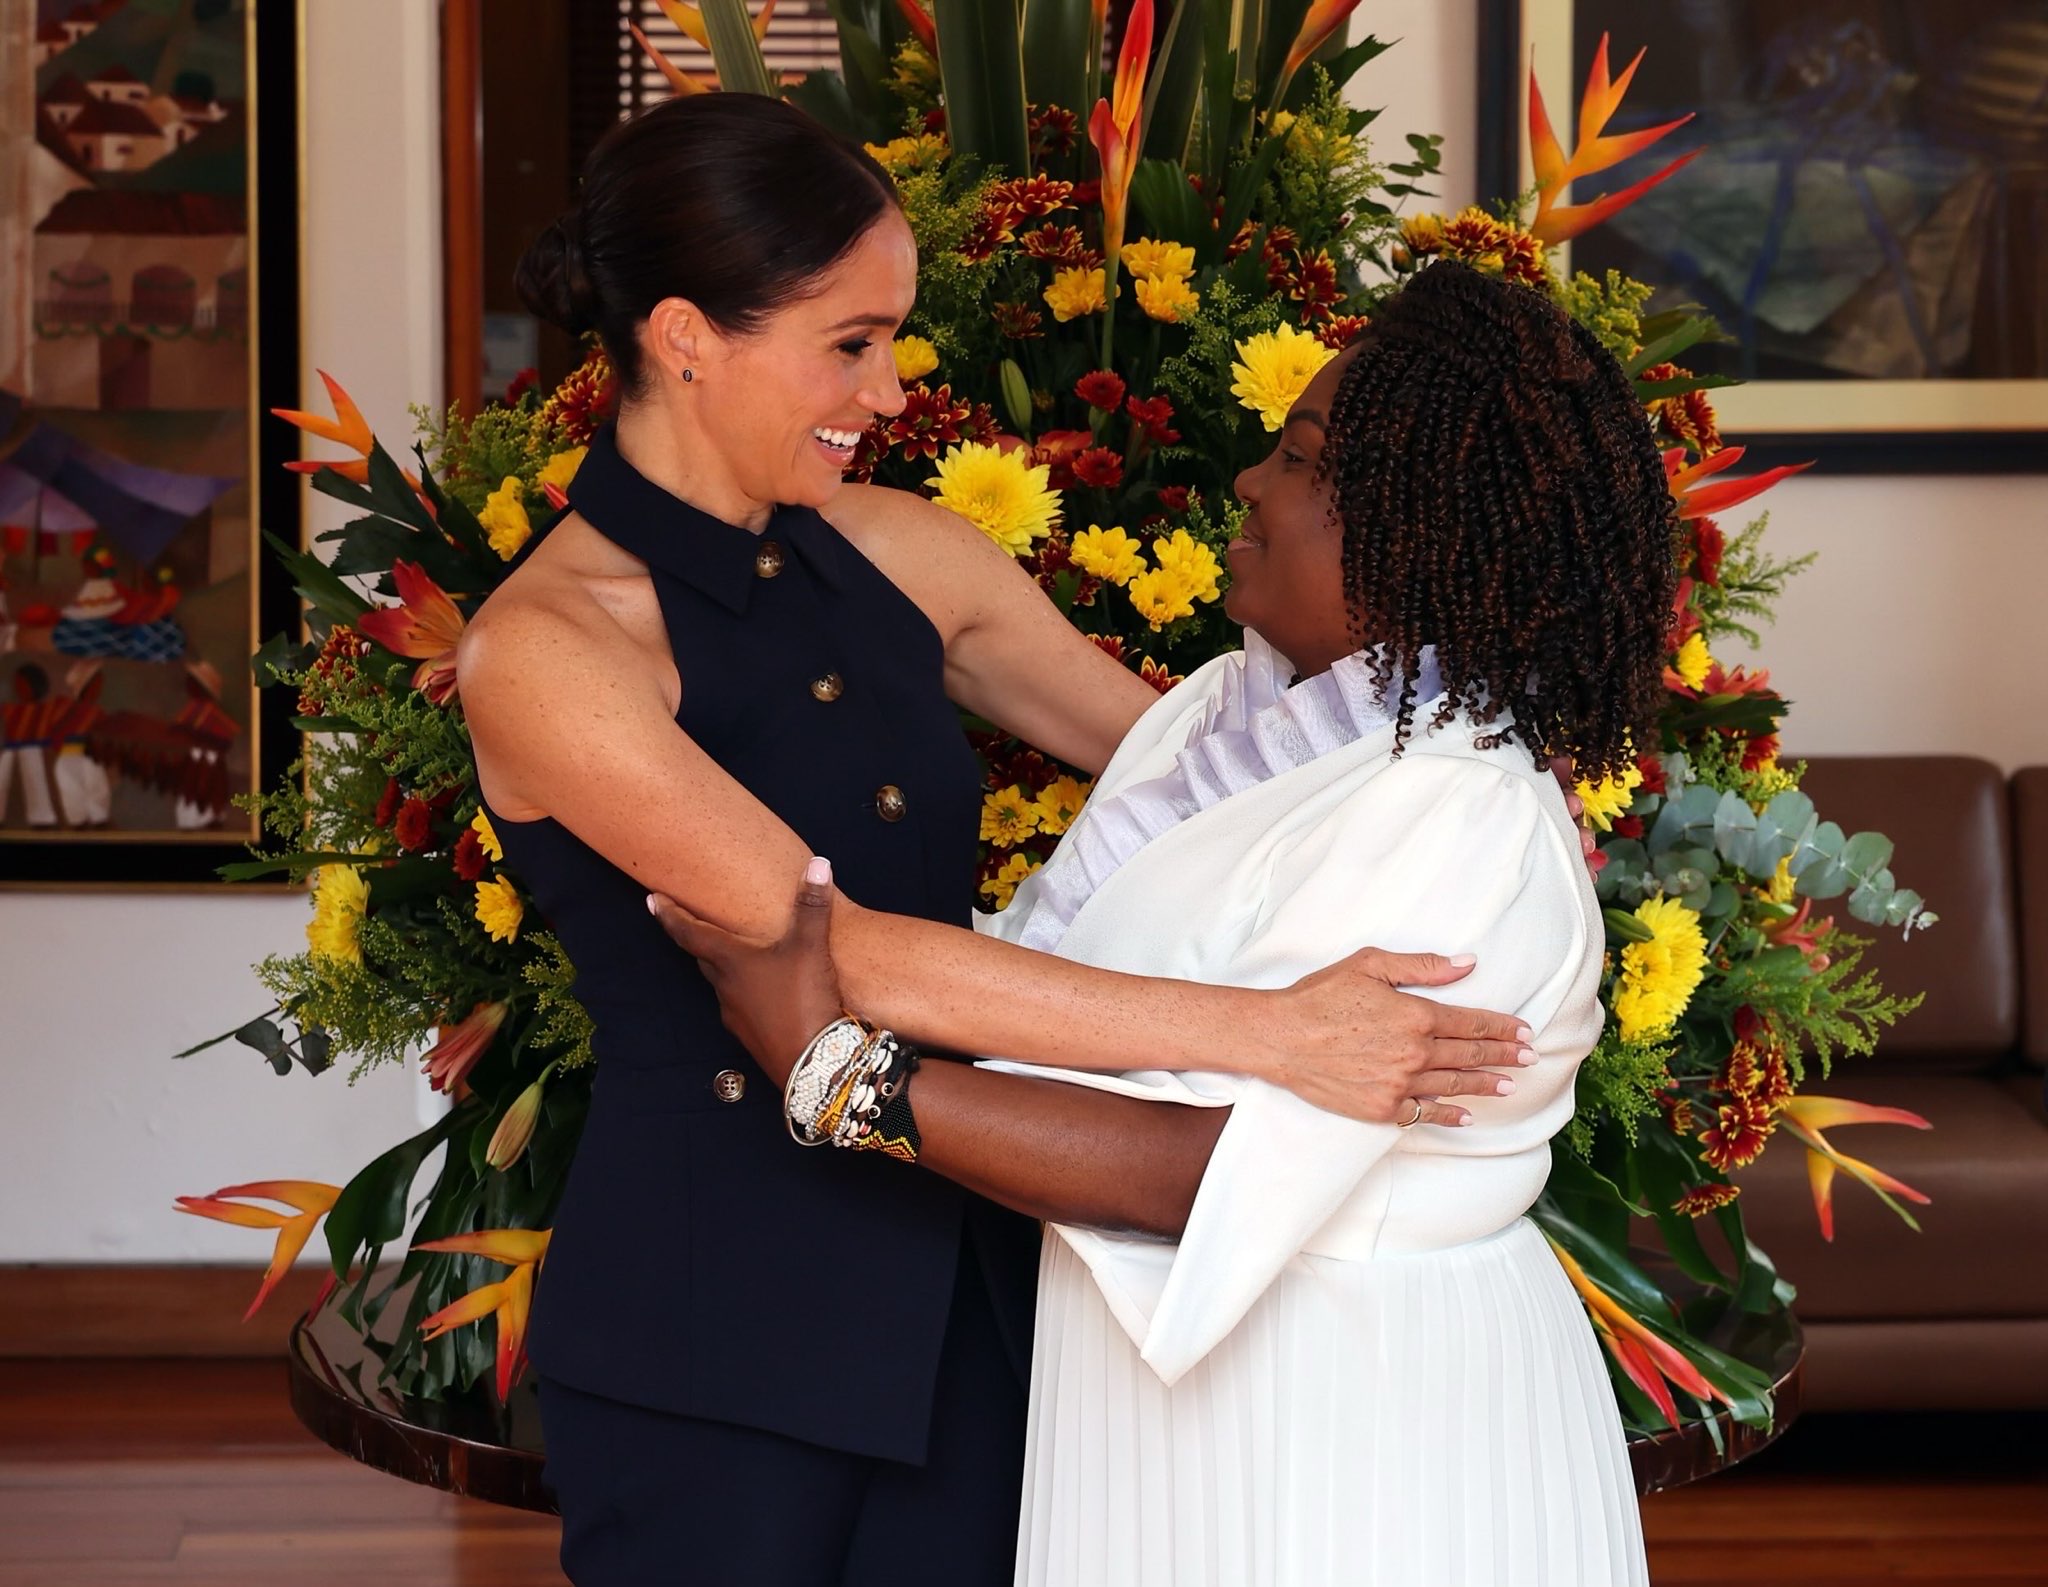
679	81
459	1046
1324	18
1555	221
1700	502
1806	1117
311	1200
515	1130
1113	128
1647	1358
921	24
510	1299
690	19
425	627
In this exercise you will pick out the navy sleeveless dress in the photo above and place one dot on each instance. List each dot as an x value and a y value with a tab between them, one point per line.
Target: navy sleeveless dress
716	1297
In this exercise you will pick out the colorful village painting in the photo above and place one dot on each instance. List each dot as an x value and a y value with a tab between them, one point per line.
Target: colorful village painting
126	552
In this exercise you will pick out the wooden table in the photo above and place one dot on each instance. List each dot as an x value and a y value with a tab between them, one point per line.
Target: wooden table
474	1446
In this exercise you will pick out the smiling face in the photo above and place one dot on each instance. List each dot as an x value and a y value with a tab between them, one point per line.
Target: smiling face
1287	563
782	407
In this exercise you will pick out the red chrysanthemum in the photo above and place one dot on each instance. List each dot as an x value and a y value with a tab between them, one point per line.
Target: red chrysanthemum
1760	751
388	802
1174	498
336	664
1628	827
1677	1110
1109	645
1774	1089
1087	194
1098	468
1053	129
1742	1074
1246	232
1101	388
414	824
1029	197
522	383
1062	246
1709	545
1736	1137
470	858
1703	1199
1019	321
1150	671
1339	331
584	400
989	232
929	420
1312	282
1153	413
1057	449
1652	768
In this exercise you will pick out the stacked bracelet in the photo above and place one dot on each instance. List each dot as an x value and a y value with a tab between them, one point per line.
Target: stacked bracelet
850	1088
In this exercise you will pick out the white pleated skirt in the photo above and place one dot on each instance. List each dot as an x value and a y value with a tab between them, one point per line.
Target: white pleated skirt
1432	1420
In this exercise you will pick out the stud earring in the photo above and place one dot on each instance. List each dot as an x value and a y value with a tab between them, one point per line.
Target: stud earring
689	375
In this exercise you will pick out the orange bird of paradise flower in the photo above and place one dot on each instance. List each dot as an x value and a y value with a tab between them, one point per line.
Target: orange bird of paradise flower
1806	1117
1698	501
425	626
1647	1358
311	1202
1323	18
1113	128
1556	221
347	428
510	1299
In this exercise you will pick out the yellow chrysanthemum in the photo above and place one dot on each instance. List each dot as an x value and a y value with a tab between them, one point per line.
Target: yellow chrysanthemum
1002	495
915	357
1162	596
1193	563
1075	292
1658	977
1150	259
1059	804
341	897
504	518
1008	817
1782	888
1108	554
498	909
1169	298
487	839
1693	661
1002	886
1611	797
1274	368
561	469
900	156
1423	234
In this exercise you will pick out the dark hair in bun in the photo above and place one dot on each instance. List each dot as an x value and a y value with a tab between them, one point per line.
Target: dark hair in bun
737	202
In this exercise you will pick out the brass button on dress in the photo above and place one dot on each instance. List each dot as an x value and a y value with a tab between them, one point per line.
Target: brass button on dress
728	1085
768	560
828	688
890	803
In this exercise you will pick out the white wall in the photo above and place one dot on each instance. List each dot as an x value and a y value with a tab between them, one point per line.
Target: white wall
1916	632
98	1128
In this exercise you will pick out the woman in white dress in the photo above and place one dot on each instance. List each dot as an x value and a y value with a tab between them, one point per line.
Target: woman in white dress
1275	1347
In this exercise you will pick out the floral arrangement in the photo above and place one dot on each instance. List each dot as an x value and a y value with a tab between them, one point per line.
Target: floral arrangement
1113	318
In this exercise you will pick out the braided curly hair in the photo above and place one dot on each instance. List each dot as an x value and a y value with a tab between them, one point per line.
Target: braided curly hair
1502	499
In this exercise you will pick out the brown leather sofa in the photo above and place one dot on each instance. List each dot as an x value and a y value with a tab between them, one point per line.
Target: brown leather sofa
1954	1317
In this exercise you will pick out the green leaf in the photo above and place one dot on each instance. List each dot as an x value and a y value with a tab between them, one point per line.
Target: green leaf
1244	191
823	96
1175	88
864	60
1055	47
317	584
370	1211
734	49
280	653
267	1039
1651	390
1686	333
1167	207
1607	1265
981	70
1867	853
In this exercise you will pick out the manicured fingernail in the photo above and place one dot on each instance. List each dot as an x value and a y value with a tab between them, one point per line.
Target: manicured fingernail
1524	1035
1503	1086
1463	961
1464	1119
819	872
653	905
1526	1056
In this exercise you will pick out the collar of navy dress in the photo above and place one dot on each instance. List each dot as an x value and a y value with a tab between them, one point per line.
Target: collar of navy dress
721	560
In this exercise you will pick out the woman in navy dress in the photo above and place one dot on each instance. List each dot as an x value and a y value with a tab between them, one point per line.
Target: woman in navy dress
756	1364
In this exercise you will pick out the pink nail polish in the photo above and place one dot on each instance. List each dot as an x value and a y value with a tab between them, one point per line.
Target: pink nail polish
819	872
653	908
1503	1086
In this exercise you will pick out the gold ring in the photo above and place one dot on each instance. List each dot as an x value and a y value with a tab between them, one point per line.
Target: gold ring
1409	1124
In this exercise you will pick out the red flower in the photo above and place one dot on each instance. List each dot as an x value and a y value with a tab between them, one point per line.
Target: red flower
522	383
1153	413
414	824
988	233
1762	748
1708	546
1174	498
1109	645
1098	468
1027	197
1736	1137
1703	1199
929	420
1312	283
1060	245
1057	449
1053	129
1101	388
1087	194
1243	240
1341	330
1652	768
387	802
1018	321
1677	1110
469	856
1150	671
1628	827
583	401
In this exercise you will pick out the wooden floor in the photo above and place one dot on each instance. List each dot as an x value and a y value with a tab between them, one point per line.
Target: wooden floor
114	1473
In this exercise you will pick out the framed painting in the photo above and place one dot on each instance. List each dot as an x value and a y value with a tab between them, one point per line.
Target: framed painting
149	303
1868	217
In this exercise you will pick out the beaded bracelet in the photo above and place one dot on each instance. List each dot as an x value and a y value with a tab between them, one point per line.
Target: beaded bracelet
849	1088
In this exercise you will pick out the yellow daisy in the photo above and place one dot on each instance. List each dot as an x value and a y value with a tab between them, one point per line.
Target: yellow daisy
504	518
1002	886
1059	804
915	357
341	897
1658	978
561	469
1162	596
1181	554
1150	259
498	909
1108	554
1274	368
1008	817
900	156
1075	292
1693	661
1170	298
1002	495
486	838
1610	797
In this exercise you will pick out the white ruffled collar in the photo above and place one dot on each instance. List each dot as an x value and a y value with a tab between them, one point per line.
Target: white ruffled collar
1255	726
